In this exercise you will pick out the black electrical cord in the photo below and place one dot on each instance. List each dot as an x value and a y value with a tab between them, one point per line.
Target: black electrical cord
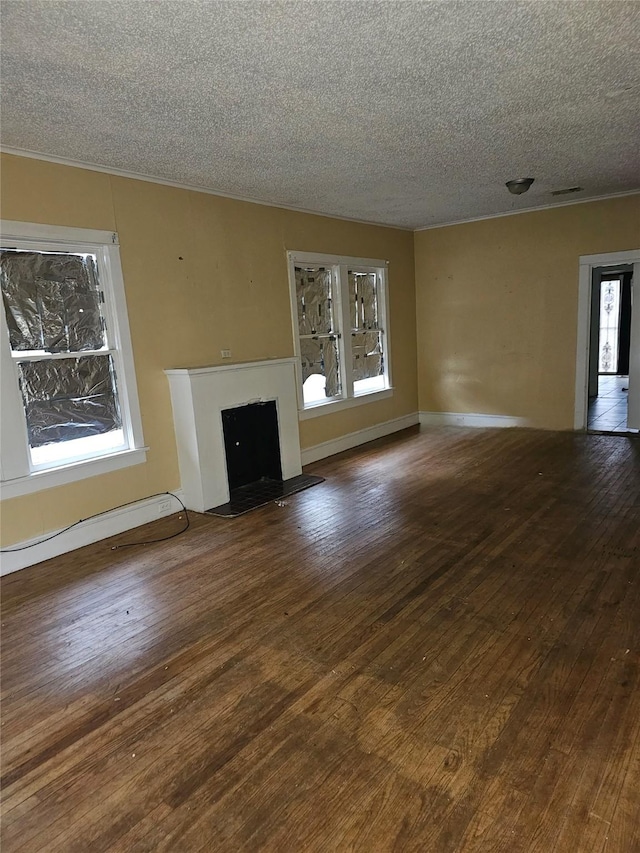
162	538
104	512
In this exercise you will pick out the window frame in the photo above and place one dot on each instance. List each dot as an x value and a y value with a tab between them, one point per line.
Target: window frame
19	475
340	266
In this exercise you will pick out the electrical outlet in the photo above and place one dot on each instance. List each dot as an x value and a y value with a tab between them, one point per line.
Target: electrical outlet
225	353
164	506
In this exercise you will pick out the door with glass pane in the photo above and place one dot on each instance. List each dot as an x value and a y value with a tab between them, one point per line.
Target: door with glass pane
609	349
609	331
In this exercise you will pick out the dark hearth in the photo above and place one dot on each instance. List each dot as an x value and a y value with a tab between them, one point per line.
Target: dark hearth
262	492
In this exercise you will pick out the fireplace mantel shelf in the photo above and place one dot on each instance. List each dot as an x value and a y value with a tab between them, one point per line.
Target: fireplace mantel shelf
215	368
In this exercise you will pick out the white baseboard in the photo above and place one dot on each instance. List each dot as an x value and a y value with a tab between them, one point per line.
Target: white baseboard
353	439
91	530
470	420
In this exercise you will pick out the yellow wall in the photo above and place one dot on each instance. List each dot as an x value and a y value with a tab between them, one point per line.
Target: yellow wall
497	305
229	291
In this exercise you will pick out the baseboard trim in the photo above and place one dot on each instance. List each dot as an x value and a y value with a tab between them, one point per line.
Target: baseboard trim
89	531
354	439
470	420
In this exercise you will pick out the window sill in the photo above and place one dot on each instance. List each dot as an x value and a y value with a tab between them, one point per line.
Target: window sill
40	480
332	406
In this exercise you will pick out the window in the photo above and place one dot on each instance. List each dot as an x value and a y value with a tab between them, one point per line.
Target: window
69	402
339	311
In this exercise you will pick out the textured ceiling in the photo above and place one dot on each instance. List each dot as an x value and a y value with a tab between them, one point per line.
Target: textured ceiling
398	112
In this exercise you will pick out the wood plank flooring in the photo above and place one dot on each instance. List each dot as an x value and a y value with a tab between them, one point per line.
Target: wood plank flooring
437	649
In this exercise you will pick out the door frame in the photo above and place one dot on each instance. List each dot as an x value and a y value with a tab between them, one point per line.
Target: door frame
585	275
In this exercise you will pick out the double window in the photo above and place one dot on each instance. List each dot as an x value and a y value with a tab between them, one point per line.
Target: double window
68	384
339	311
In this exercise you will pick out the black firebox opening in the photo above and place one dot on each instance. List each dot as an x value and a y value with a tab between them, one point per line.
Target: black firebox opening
251	443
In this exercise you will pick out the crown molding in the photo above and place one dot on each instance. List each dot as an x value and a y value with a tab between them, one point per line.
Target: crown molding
550	206
153	179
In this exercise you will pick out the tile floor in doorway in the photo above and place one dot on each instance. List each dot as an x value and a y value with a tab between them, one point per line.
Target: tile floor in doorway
608	411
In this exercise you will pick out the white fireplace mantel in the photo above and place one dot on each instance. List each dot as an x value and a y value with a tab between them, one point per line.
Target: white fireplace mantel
200	394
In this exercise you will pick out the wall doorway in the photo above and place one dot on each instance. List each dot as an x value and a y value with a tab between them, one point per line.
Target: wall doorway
605	330
609	348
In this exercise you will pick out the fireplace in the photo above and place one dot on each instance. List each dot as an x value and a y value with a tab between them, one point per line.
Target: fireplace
205	398
251	445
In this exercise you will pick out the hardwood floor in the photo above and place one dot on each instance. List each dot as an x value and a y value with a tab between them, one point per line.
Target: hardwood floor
437	649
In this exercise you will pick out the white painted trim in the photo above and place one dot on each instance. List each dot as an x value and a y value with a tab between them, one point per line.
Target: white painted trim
339	266
585	272
152	179
87	532
580	400
550	206
633	402
355	439
71	473
13	426
21	475
56	233
468	419
345	361
604	260
295	328
218	368
337	405
321	259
